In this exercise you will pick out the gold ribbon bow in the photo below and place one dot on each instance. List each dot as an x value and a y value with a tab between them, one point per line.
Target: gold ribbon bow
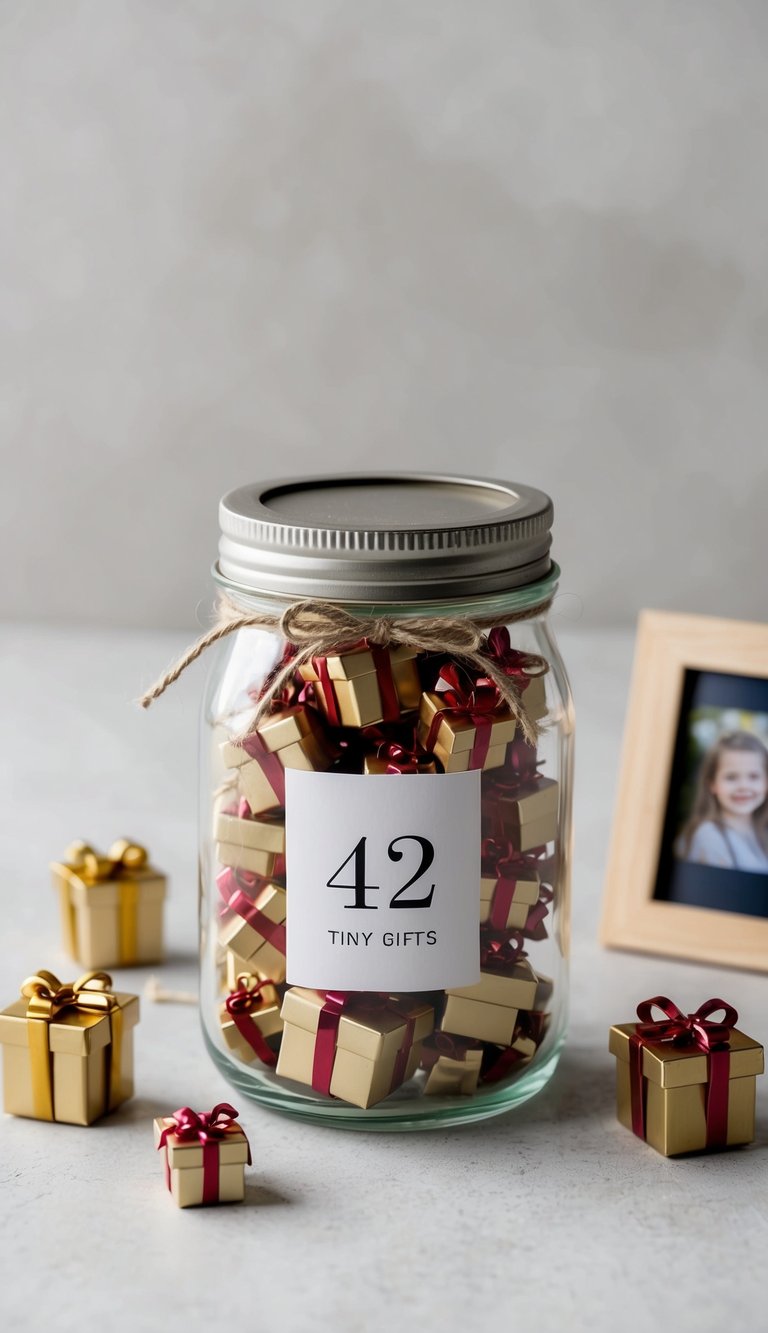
84	865
47	998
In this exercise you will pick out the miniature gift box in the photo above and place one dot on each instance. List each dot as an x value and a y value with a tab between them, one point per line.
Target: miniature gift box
366	685
256	931
465	725
452	1066
488	1011
205	1155
288	738
524	671
68	1050
527	814
250	842
686	1083
507	894
111	906
250	1019
358	1048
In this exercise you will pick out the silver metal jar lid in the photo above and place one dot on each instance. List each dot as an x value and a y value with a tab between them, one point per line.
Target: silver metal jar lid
384	537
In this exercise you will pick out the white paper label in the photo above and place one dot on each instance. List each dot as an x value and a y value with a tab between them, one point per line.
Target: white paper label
383	875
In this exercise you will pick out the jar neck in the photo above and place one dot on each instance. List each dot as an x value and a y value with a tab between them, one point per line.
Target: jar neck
515	600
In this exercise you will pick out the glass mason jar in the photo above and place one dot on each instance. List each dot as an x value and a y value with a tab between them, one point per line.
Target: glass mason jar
385	847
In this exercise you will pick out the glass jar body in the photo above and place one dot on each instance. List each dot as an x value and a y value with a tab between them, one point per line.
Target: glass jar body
414	1056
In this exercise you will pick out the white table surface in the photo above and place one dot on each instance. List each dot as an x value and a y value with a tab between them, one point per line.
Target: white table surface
551	1216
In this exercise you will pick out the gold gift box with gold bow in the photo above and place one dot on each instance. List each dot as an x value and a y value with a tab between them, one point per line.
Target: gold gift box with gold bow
68	1049
111	906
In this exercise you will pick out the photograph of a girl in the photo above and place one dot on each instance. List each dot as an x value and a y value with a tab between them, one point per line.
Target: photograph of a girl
728	824
714	849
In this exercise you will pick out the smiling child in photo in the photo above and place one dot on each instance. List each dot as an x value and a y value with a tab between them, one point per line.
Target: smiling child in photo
729	823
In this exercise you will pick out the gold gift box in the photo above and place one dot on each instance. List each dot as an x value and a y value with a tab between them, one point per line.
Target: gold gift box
72	1068
456	736
265	1017
295	737
263	833
356	684
675	1088
367	1044
525	895
529	818
488	1011
534	698
185	1166
111	907
249	843
256	952
454	1075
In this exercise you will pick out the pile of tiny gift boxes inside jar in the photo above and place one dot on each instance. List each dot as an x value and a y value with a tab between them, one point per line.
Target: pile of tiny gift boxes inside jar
374	710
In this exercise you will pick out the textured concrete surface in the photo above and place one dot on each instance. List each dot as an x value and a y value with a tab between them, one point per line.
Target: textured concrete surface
552	1217
241	238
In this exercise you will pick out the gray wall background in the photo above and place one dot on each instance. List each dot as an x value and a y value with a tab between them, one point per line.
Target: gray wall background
241	238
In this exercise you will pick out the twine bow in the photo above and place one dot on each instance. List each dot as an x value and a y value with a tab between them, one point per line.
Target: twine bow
315	628
47	998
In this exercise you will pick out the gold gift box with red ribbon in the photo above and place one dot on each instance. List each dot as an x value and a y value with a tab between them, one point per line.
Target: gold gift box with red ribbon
287	738
458	741
256	931
205	1155
245	841
507	896
250	1019
68	1049
525	814
111	906
452	1066
365	685
685	1083
488	1011
356	1047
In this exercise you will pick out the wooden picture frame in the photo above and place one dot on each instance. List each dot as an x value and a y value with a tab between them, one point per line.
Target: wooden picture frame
679	658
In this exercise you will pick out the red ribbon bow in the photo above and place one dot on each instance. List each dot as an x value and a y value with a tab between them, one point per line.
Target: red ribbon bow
499	955
207	1128
686	1030
478	704
521	666
402	758
240	1005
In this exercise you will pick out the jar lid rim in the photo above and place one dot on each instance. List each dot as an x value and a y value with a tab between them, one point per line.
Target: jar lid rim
388	536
